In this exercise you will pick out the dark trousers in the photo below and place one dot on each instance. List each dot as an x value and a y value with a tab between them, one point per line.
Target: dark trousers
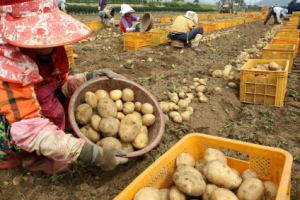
185	37
270	13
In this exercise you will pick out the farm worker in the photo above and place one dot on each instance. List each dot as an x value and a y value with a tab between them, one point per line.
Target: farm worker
34	77
127	19
102	4
61	5
107	16
277	12
183	29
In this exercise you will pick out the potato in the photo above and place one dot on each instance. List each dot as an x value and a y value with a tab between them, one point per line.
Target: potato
137	114
120	116
271	190
115	94
217	90
176	194
186	115
190	109
127	146
147	193
165	106
128	108
189	180
109	126
167	119
148	119
251	189
183	103
107	107
173	97
201	88
83	113
222	194
92	135
109	141
217	74
129	128
95	120
127	95
101	94
199	165
147	108
222	175
209	190
91	99
249	173
211	154
164	194
273	66
185	159
137	106
119	105
203	99
141	140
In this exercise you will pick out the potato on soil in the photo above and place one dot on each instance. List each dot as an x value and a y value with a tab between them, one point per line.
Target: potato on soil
147	108
95	120
222	175
83	113
186	115
211	154
189	180
271	190
115	94
91	99
223	194
251	189
141	140
147	193
165	106
101	94
127	95
127	146
209	190
176	194
107	107
92	135
130	126
148	119
164	194
109	126
185	159
109	141
249	173
128	108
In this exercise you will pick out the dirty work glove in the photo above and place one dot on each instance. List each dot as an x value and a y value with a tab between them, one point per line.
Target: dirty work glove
130	29
107	158
103	72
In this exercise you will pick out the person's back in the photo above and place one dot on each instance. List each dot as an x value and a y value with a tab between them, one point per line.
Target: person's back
181	25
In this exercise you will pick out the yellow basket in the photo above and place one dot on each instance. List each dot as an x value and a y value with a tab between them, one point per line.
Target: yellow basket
202	16
159	36
70	54
207	26
270	163
265	9
286	40
279	51
136	40
263	87
94	25
296	14
294	33
220	25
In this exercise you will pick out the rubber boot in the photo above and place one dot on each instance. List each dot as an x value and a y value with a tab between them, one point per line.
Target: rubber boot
195	42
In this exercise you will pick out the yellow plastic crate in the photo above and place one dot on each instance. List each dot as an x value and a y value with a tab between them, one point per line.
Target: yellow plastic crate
271	164
164	19
265	9
279	51
263	87
296	13
207	26
202	16
159	36
288	33
70	53
94	25
220	25
117	22
136	40
286	40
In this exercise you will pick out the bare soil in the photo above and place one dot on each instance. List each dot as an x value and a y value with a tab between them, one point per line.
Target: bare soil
223	115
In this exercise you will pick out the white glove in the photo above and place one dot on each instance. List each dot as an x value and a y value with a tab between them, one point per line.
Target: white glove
130	29
98	7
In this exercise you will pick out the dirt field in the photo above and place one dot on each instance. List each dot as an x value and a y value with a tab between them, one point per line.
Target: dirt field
223	115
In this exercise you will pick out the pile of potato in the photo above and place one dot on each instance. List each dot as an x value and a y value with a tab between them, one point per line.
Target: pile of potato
113	119
272	66
210	178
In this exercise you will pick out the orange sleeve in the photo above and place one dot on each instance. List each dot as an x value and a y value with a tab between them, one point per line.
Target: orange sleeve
18	102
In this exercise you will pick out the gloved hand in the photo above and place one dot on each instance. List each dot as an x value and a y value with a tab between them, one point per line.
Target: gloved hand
108	158
137	27
103	72
99	8
130	29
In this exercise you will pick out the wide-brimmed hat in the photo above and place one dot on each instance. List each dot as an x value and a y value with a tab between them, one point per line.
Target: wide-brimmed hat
125	8
192	16
38	24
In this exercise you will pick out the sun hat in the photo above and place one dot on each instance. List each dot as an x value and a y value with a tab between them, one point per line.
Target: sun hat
38	24
192	16
125	8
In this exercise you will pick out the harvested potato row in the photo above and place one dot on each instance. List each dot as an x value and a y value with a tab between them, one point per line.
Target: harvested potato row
113	119
212	179
272	66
